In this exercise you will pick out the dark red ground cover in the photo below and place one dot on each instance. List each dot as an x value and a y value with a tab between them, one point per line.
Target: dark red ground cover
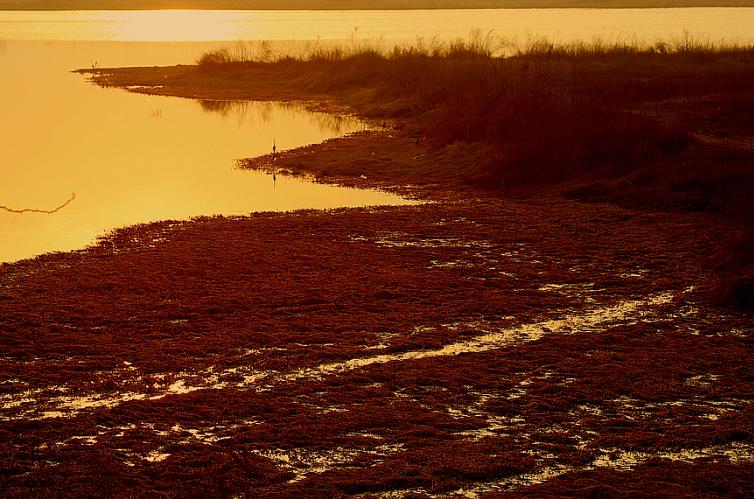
276	294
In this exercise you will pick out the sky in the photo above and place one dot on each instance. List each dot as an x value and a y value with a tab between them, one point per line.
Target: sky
349	4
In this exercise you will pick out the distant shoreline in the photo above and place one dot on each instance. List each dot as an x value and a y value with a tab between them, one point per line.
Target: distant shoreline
84	5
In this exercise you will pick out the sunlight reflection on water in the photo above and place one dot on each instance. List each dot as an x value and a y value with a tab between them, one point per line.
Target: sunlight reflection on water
133	158
228	25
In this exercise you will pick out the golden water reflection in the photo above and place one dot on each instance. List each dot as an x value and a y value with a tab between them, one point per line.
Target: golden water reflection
229	25
261	113
132	158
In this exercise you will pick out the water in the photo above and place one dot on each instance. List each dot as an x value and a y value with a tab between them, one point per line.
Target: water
132	158
556	24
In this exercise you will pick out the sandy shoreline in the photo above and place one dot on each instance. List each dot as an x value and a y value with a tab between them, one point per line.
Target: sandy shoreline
476	344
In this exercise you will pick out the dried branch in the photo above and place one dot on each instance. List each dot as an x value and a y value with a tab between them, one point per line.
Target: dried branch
33	210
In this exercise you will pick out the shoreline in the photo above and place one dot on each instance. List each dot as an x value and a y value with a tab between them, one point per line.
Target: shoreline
388	5
527	343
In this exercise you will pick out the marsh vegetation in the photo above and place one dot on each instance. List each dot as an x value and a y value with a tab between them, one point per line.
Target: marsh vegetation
663	125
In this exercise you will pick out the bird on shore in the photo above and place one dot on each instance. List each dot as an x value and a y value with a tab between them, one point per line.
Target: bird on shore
274	151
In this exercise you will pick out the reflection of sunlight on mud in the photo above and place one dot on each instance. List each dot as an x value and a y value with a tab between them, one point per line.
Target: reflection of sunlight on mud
736	452
398	240
634	409
571	288
39	406
627	460
630	310
303	462
143	87
156	456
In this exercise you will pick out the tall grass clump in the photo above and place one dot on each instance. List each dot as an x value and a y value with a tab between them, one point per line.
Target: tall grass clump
240	52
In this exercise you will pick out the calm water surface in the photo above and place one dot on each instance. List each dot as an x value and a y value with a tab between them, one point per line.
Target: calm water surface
133	158
556	24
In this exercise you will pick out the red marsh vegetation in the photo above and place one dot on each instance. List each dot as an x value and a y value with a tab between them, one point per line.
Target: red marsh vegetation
482	346
544	325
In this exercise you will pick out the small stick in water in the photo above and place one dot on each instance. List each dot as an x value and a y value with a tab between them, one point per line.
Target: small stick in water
34	210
